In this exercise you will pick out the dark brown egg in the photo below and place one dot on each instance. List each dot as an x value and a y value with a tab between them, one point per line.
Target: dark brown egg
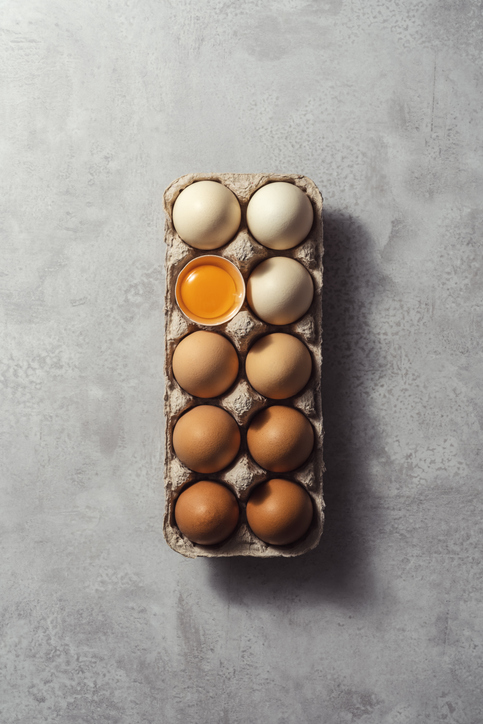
279	511
280	439
206	512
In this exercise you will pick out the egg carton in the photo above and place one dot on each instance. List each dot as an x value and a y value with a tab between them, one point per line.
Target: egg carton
241	400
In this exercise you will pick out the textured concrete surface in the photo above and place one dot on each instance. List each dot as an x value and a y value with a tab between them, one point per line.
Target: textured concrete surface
103	103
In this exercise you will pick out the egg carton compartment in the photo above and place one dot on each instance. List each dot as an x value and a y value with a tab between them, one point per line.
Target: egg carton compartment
241	400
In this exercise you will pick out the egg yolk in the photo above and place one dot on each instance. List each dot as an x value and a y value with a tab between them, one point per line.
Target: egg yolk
208	291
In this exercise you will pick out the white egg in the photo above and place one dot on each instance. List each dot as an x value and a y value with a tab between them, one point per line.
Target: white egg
206	215
280	290
279	215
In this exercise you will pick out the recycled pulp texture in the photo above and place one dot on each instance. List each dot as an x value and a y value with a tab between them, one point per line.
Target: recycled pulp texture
241	400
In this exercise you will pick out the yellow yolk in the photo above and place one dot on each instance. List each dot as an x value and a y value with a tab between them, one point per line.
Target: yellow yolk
208	291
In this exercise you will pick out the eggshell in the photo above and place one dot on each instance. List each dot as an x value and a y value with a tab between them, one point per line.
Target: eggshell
279	215
280	290
279	511
278	365
206	512
280	439
210	290
205	364
206	215
206	439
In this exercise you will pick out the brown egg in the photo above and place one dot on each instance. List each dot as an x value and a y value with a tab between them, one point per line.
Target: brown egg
205	364
206	439
279	511
280	439
278	365
206	512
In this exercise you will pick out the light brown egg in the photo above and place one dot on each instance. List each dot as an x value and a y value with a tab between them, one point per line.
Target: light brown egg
205	364
280	439
278	365
206	439
279	511
206	512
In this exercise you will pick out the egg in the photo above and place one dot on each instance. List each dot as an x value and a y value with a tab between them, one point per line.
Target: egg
206	512
279	511
280	439
280	290
278	365
280	215
206	215
206	439
205	364
210	290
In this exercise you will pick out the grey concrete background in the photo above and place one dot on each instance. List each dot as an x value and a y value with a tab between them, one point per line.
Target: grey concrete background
103	103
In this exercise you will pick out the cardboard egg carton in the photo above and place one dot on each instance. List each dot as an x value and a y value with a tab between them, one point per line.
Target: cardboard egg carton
241	400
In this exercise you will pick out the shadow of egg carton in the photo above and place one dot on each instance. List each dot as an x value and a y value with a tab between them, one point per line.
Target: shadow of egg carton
241	400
